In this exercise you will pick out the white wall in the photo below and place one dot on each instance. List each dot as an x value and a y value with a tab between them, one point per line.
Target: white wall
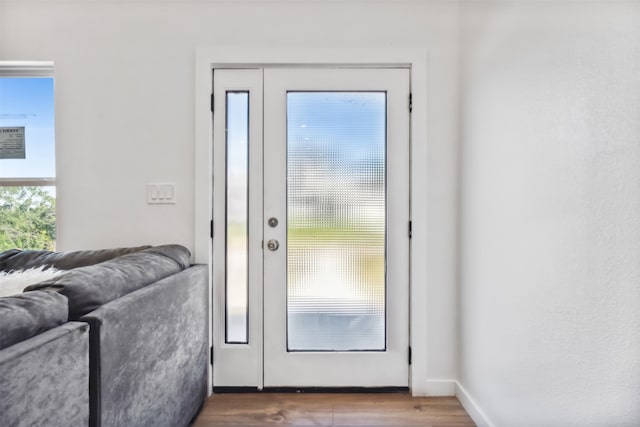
550	213
125	112
550	190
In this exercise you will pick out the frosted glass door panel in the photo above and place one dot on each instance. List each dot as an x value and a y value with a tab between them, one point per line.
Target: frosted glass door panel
336	213
237	227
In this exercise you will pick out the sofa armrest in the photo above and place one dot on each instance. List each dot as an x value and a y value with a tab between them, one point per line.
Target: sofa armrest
44	379
148	352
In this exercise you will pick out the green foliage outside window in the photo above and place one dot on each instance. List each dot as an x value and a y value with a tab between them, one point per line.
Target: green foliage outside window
27	218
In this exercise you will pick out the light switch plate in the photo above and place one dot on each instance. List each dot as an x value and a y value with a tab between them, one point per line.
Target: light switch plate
161	193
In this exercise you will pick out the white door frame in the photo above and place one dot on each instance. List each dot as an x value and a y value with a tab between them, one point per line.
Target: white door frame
415	59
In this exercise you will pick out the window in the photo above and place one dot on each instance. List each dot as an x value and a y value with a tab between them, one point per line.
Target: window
27	156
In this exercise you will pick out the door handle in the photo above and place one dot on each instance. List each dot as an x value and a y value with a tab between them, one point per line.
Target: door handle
273	245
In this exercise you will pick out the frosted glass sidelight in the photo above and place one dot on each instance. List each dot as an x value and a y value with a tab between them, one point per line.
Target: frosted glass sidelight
237	232
336	208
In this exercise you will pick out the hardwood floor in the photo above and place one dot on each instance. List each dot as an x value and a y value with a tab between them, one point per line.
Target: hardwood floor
331	409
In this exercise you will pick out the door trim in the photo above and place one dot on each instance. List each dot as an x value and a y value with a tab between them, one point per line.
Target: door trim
208	59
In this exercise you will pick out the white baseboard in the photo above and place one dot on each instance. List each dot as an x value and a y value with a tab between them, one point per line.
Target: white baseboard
434	388
471	406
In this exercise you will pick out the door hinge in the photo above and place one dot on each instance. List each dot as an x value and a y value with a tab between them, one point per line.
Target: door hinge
211	229
212	104
211	355
409	355
410	102
410	227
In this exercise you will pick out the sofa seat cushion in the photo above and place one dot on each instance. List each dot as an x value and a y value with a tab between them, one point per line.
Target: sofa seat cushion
88	288
26	315
15	259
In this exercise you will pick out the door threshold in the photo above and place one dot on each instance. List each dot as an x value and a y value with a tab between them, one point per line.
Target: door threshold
311	390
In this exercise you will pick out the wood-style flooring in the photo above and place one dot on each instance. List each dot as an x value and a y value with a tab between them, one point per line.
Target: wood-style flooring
331	409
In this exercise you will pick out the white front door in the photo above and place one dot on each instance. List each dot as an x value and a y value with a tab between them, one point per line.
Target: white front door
311	245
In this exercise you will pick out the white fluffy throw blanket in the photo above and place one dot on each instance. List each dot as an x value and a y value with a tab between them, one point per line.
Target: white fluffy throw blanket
13	283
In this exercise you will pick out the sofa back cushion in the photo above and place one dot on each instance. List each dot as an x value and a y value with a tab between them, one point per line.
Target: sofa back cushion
15	259
87	288
26	315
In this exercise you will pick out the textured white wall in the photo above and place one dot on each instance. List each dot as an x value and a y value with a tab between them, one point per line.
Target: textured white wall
125	110
550	213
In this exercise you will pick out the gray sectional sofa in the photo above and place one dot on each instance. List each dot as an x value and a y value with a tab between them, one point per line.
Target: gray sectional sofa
44	362
119	339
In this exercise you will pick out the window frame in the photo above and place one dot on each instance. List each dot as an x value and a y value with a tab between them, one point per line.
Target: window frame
33	69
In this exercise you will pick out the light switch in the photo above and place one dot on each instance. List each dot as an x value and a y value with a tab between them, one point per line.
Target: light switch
161	193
